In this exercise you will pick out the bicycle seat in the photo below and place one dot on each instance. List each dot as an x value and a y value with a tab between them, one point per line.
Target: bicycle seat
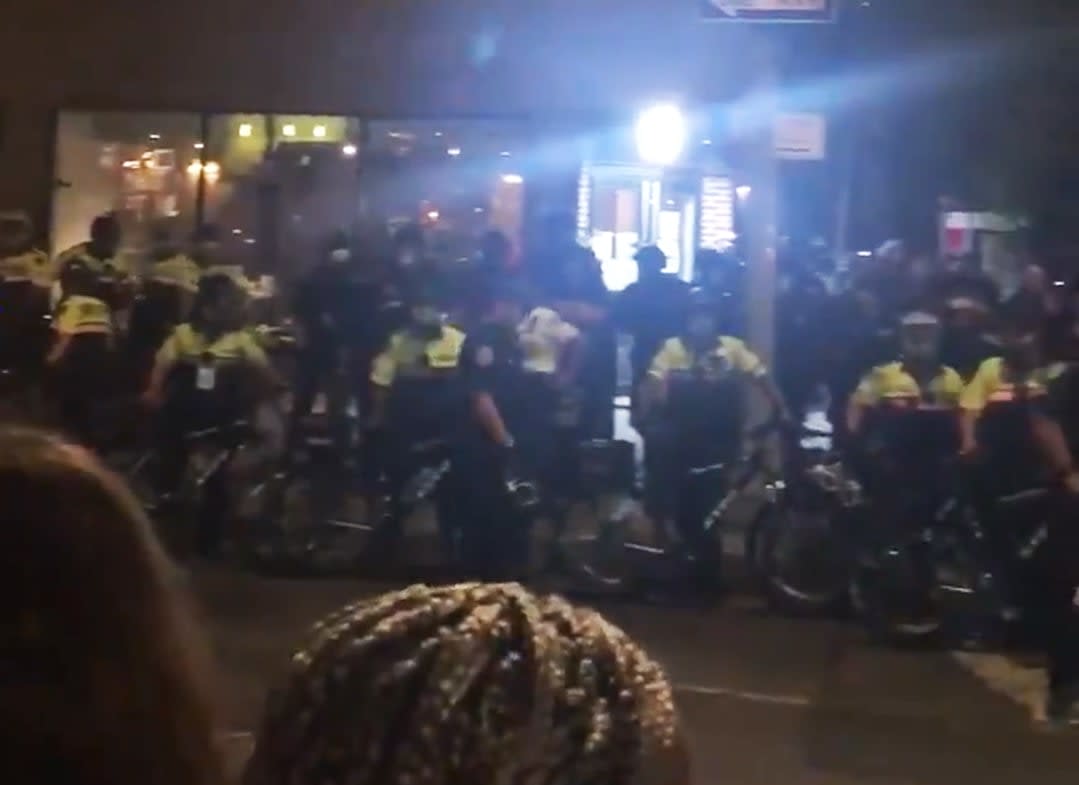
236	432
427	447
712	468
1022	497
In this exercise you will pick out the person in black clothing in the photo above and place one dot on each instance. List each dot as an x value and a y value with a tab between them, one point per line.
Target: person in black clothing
966	342
1055	427
322	306
722	275
855	338
800	332
651	310
471	281
579	295
493	382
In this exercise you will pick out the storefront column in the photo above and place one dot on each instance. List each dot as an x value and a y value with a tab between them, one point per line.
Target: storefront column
27	141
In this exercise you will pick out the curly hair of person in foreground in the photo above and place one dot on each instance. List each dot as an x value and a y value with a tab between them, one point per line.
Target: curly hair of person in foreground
473	684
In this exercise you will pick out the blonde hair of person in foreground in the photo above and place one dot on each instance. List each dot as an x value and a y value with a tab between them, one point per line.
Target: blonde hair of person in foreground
473	684
102	672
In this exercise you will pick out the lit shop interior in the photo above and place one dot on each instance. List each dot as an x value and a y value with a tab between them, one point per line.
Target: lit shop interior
277	185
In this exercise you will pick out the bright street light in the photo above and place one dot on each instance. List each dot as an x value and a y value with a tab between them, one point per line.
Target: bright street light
661	134
349	151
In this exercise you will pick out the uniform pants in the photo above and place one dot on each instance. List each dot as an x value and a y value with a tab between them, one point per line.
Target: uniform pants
672	493
400	464
494	544
80	382
317	372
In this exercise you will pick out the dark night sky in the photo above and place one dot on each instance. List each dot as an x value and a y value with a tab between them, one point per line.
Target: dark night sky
981	103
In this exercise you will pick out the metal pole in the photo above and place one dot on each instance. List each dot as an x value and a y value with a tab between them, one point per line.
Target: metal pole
200	184
762	206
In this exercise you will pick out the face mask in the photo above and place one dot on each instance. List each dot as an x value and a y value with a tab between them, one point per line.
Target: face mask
340	255
920	347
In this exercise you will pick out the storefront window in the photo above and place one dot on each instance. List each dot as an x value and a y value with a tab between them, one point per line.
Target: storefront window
278	185
133	164
457	179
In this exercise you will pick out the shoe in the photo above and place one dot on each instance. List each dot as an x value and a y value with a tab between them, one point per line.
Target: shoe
1062	708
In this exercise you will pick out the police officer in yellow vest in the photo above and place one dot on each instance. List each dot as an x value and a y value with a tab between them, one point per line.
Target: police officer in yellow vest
692	413
210	372
904	416
414	389
81	357
1016	376
208	253
101	255
23	301
916	381
169	284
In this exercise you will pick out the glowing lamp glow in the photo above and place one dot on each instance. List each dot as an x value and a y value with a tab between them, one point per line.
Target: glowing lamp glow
349	151
288	130
453	152
320	132
661	134
743	192
512	179
246	130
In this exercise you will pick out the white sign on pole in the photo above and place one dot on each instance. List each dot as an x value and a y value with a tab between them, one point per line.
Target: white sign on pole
801	137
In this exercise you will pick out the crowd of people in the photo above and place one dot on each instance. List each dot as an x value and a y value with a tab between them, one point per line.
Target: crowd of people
511	360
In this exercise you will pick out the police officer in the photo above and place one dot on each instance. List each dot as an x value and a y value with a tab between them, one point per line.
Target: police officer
101	255
692	405
495	410
918	378
169	286
1056	430
80	358
413	395
210	372
23	269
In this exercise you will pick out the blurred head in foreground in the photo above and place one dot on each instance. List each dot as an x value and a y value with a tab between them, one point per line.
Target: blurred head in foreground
100	669
475	684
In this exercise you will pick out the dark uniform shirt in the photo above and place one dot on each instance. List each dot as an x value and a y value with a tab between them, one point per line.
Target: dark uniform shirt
491	362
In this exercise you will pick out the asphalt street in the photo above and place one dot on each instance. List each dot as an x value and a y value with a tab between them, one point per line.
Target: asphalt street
764	700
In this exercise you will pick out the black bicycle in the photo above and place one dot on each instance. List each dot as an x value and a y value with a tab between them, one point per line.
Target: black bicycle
319	519
958	575
205	489
625	553
804	547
